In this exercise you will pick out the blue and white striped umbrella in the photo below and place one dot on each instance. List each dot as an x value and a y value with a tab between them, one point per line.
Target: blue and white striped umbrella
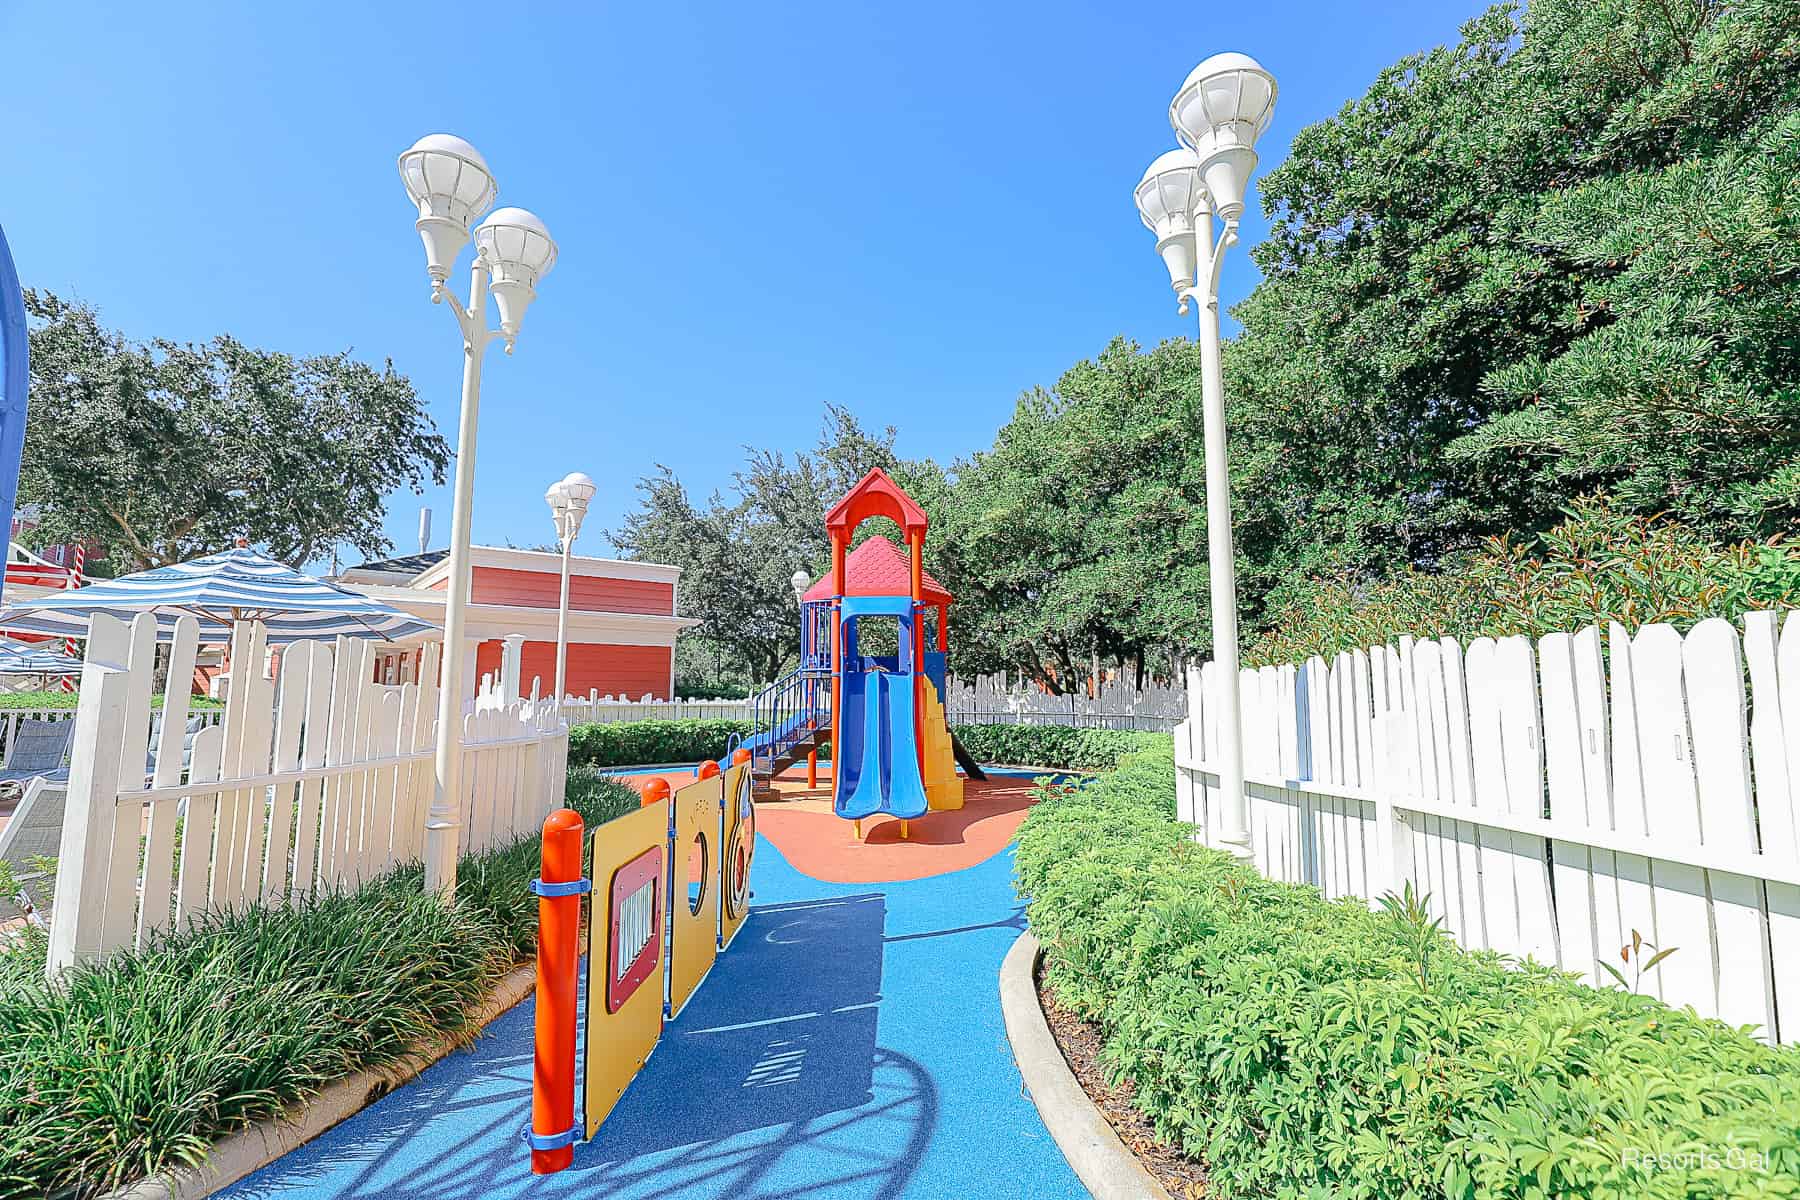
19	658
237	585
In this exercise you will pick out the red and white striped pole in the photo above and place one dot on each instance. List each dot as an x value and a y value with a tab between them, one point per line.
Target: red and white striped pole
77	568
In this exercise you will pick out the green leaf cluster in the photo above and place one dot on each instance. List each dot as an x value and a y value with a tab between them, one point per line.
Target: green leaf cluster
646	743
1305	1047
1599	565
1061	747
1558	257
159	452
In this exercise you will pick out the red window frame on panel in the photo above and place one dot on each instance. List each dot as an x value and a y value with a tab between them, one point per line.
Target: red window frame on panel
643	871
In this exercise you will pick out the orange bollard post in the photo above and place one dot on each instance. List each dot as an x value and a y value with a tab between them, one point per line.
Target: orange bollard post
656	789
812	769
706	770
559	889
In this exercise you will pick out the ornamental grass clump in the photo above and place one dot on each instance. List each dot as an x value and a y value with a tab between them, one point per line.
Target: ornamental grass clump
144	1060
1305	1047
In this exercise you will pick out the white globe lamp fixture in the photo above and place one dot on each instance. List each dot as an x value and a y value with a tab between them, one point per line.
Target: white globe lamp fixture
801	583
519	252
1223	107
1169	197
450	183
450	186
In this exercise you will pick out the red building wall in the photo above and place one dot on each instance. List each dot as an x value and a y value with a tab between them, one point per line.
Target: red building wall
630	671
539	589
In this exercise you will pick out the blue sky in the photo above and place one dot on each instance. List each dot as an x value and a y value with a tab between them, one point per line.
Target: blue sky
917	210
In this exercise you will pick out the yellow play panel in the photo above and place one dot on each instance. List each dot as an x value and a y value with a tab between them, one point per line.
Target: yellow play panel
737	826
625	953
694	891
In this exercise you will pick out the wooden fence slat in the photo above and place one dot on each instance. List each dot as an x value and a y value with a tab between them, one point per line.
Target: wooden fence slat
1522	744
1713	670
84	851
259	736
119	924
1594	740
290	714
1566	768
315	738
156	908
1461	775
200	825
1776	756
337	868
1671	806
224	881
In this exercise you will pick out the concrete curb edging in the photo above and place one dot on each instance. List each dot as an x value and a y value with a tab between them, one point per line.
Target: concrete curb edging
261	1144
1106	1168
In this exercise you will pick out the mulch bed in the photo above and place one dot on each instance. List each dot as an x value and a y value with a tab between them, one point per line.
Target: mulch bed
1080	1044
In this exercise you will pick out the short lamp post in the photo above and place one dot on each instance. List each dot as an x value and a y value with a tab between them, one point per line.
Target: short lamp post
801	582
450	185
1222	108
568	498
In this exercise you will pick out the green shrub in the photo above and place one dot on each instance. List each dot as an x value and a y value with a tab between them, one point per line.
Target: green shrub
143	1061
1302	1047
1599	564
641	743
1059	746
57	698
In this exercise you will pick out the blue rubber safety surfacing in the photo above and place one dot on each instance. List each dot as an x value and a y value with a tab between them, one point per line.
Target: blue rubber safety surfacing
849	1046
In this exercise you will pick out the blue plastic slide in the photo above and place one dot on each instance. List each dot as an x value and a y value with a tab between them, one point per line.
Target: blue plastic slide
878	764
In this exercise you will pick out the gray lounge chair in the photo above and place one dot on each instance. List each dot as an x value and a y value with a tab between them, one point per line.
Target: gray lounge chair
39	750
33	831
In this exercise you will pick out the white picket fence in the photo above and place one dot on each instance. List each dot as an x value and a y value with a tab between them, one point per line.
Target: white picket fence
1550	800
595	709
996	700
316	778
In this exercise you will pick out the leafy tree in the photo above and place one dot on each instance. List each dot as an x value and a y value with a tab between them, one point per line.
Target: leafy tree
1557	257
161	452
1076	534
738	555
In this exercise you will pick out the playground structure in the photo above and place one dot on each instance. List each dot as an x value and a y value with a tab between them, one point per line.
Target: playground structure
670	882
670	890
892	749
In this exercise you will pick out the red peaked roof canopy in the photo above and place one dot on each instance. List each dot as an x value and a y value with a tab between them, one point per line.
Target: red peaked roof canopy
876	495
879	568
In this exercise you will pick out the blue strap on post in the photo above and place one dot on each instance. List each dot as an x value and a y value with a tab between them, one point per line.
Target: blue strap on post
548	1141
574	887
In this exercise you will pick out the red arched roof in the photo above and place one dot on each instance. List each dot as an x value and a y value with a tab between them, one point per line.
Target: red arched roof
879	568
875	495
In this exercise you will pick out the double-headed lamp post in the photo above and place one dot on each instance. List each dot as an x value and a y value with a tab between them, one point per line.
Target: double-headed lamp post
450	184
568	498
1222	108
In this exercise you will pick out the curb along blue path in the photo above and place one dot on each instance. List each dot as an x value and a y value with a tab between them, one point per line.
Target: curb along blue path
849	1046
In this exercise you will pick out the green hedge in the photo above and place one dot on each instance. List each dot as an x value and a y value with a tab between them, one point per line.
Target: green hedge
144	1061
1057	746
1310	1048
641	743
55	698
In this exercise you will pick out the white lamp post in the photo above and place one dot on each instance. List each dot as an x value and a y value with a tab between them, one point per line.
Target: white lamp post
450	184
1222	108
801	582
568	498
